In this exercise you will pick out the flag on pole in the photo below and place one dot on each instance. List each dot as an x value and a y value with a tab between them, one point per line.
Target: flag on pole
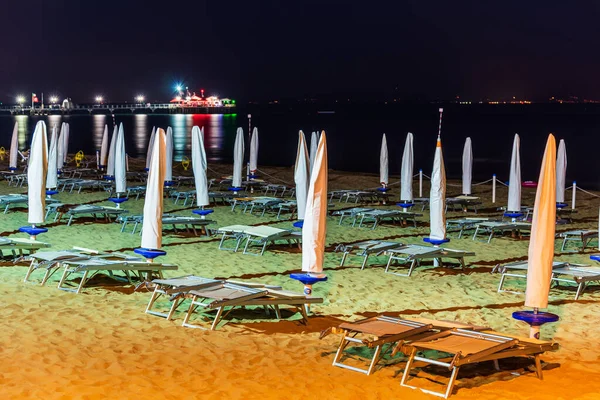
34	98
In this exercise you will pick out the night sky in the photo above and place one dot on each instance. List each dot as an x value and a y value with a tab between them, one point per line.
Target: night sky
263	50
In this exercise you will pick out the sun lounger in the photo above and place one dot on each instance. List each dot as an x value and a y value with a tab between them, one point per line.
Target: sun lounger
94	211
381	332
226	296
585	236
459	347
137	191
16	247
184	195
9	200
16	180
350	212
277	189
462	225
172	220
414	254
494	227
81	184
518	269
365	249
264	235
423	201
93	265
378	216
463	203
286	207
338	194
263	204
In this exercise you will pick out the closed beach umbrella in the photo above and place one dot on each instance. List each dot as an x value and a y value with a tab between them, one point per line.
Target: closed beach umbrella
65	143
14	148
110	165
383	163
314	143
52	174
238	158
437	196
169	159
150	147
541	242
561	171
467	167
406	193
315	216
254	151
153	203
120	162
36	175
104	148
199	165
60	148
514	184
301	175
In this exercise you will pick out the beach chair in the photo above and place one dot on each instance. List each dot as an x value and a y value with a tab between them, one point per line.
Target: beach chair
585	236
263	204
275	189
187	222
222	197
233	232
517	269
93	211
137	191
414	254
185	196
459	347
491	228
262	236
286	207
14	248
365	249
222	298
337	195
422	201
90	267
463	203
384	334
9	200
378	216
461	225
350	212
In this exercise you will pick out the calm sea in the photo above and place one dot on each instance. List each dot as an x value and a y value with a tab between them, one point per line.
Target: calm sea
354	135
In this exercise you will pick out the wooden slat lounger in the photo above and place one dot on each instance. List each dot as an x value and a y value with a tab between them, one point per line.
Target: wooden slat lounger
414	254
470	347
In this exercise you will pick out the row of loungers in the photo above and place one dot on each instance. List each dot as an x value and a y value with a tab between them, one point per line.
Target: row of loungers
261	236
88	263
425	342
401	253
363	216
15	248
174	221
217	298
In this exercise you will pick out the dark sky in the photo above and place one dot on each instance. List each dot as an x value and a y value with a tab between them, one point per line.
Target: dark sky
260	50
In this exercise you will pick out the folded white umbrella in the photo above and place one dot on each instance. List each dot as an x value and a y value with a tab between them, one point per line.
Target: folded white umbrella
467	167
406	193
14	148
153	202
301	175
561	171
314	143
169	165
437	196
36	175
52	174
110	166
514	184
254	151
120	162
238	158
384	163
199	165
314	229
104	148
60	148
150	147
65	142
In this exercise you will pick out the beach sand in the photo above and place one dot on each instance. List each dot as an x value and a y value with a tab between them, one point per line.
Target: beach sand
101	345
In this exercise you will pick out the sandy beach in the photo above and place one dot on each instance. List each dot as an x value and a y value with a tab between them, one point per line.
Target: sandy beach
101	345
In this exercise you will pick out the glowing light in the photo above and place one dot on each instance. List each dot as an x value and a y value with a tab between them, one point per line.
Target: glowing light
20	99
140	98
99	99
53	99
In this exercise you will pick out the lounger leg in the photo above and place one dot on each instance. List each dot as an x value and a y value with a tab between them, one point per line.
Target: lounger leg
63	277
155	295
407	369
538	367
451	382
374	360
562	248
501	283
343	259
83	280
475	233
580	288
364	262
217	318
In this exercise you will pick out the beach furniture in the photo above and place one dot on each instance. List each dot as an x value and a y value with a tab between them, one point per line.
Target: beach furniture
337	195
81	184
459	347
278	190
172	220
136	191
89	267
16	180
365	249
9	200
562	272
185	196
585	236
14	248
491	228
224	297
461	225
92	210
262	205
463	203
287	207
385	335
260	236
422	201
413	255
378	216
350	212
231	232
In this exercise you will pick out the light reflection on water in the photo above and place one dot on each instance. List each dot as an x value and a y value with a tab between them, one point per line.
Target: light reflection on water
86	131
